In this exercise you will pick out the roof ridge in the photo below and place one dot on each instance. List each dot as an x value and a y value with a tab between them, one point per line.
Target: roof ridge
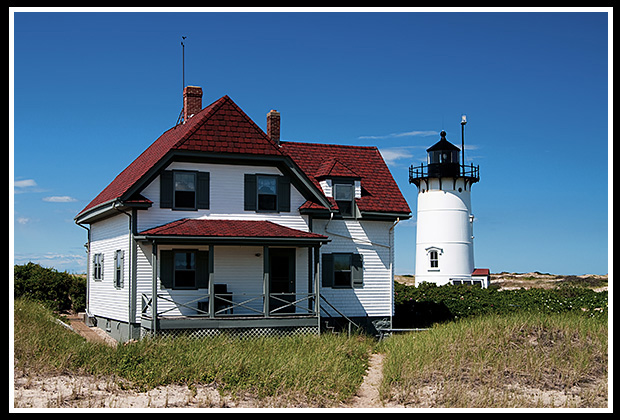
289	142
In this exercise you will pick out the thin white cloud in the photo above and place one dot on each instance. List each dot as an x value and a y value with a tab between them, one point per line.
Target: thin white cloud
59	199
23	220
24	183
403	134
26	186
392	154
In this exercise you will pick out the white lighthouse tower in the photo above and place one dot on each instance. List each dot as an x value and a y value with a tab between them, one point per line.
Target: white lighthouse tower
444	241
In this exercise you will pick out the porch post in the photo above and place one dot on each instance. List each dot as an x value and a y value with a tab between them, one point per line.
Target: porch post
317	297
154	289
211	286
266	271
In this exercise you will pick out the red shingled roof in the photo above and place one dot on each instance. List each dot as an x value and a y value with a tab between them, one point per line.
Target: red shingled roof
334	168
379	190
222	127
229	229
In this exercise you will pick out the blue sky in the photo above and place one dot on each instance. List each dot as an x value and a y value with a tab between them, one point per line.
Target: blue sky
91	91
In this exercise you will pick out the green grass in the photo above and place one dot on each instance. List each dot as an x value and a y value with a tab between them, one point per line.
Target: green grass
320	371
510	360
494	361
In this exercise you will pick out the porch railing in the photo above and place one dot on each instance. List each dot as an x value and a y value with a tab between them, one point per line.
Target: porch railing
244	304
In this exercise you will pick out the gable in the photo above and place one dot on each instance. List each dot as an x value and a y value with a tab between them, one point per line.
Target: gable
226	129
221	127
380	193
334	168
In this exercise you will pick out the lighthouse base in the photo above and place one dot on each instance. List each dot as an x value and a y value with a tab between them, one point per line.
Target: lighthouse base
480	277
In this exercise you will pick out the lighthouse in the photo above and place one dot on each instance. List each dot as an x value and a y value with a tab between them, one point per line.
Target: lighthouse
444	238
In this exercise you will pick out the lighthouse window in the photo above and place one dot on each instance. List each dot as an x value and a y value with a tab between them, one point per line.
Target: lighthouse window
434	259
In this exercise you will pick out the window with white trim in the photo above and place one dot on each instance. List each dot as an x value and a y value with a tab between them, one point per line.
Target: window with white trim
344	194
98	267
119	263
434	254
434	259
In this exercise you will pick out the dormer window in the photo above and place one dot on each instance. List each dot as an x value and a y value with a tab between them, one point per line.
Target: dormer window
344	194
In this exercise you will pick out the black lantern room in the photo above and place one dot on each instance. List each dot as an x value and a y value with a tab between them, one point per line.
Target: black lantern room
443	159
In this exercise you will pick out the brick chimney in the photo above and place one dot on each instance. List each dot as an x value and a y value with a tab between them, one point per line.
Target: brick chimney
273	126
192	101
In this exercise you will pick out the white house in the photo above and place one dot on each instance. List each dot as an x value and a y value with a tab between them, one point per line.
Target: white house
219	225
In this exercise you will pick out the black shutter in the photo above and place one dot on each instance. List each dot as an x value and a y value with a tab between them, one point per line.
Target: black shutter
249	192
202	269
166	269
284	193
328	270
357	270
166	190
202	190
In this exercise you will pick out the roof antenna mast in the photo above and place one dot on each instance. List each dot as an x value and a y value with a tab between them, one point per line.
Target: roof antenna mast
183	45
182	87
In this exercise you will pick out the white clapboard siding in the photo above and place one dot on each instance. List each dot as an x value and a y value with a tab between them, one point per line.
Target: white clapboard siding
105	299
226	198
373	239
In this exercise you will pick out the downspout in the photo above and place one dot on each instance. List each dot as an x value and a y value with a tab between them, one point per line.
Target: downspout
331	215
391	236
130	276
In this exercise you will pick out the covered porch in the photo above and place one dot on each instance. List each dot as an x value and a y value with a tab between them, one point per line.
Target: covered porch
212	275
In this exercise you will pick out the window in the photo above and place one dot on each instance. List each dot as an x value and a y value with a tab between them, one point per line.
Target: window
433	253
344	194
98	267
118	268
343	270
184	270
267	190
184	190
434	258
266	193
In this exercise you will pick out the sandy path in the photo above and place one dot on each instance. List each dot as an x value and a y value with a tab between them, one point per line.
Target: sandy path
368	394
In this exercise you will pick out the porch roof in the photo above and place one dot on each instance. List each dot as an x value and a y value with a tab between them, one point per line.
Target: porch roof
231	232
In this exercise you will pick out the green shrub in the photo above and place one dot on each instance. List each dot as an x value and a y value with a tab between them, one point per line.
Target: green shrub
58	291
428	303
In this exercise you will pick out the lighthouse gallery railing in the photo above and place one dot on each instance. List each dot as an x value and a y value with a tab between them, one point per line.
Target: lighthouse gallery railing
467	171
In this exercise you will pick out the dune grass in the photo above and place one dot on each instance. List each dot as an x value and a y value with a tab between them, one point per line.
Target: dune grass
320	371
517	360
